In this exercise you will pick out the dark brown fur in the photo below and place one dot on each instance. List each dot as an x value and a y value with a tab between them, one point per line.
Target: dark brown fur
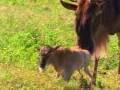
95	21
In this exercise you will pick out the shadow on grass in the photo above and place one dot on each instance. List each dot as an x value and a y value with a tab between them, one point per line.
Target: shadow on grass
77	88
71	88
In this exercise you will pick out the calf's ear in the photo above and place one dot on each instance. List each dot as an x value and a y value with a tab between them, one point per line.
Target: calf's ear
38	49
56	47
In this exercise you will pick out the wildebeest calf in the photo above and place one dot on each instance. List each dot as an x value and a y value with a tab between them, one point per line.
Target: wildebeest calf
64	60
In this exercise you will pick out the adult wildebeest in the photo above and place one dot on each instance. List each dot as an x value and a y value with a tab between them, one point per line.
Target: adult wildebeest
95	20
64	60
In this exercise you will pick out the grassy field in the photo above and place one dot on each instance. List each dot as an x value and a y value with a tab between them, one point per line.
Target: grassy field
27	24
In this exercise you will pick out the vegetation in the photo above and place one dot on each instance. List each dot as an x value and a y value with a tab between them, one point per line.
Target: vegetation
25	25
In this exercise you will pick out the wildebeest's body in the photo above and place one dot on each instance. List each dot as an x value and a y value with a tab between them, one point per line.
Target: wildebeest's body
95	21
109	17
99	23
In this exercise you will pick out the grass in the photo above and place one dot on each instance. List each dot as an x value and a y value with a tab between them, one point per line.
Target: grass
25	27
27	24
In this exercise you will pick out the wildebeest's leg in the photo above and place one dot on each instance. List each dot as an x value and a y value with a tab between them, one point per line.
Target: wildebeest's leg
87	72
95	70
118	35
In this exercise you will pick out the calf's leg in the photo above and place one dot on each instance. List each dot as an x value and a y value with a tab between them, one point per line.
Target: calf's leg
66	74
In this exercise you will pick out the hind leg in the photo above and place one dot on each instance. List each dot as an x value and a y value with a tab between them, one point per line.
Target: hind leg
87	72
118	35
66	74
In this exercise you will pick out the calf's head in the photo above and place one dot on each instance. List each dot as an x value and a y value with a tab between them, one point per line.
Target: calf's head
44	54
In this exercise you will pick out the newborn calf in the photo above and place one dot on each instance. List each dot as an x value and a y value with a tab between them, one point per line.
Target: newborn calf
64	60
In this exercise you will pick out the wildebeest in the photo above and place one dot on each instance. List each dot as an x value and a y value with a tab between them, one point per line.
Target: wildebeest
64	60
95	20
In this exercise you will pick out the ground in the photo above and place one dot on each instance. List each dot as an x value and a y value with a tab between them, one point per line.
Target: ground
15	78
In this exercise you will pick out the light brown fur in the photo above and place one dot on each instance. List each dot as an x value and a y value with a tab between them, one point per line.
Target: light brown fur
66	60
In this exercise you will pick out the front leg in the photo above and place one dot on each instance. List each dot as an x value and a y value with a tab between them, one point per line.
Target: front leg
95	71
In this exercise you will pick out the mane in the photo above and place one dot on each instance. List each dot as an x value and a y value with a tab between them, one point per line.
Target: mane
82	8
84	33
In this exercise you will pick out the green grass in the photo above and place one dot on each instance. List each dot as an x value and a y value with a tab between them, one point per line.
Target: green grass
27	24
25	27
